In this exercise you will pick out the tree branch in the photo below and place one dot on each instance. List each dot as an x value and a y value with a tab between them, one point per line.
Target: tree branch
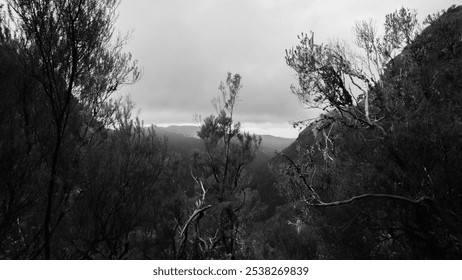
299	172
419	200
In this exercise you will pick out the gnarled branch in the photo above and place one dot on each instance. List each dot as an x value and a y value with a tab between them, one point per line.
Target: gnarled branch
370	195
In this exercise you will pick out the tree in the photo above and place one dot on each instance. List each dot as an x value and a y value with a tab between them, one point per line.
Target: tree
374	155
112	205
332	77
219	172
68	49
20	160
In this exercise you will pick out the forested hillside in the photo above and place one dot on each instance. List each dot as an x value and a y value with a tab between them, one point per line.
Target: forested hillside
376	176
184	139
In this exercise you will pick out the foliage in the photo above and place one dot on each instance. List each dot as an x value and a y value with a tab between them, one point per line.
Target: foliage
220	169
375	177
283	237
383	160
113	203
69	69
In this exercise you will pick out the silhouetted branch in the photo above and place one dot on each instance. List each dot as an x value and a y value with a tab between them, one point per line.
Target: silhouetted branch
375	196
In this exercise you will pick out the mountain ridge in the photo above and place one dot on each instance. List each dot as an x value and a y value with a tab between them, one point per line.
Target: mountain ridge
184	137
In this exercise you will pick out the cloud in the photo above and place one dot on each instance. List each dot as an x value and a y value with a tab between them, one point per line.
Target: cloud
186	48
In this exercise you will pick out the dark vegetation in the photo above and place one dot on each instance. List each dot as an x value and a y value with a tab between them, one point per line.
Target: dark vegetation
377	176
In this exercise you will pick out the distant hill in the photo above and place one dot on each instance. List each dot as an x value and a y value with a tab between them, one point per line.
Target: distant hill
270	144
305	137
183	139
185	130
265	181
179	139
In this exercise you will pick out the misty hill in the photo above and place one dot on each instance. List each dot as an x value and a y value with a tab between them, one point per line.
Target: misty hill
185	130
264	179
183	139
179	140
305	137
270	144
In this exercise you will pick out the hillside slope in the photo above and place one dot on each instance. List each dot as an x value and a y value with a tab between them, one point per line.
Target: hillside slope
184	140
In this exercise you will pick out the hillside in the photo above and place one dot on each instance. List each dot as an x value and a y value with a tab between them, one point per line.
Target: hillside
305	137
179	139
183	139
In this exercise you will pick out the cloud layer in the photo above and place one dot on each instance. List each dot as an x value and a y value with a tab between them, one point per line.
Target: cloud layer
186	48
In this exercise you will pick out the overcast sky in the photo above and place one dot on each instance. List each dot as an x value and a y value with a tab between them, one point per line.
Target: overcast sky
186	47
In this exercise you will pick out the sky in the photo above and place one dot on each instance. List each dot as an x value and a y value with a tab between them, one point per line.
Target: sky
185	48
